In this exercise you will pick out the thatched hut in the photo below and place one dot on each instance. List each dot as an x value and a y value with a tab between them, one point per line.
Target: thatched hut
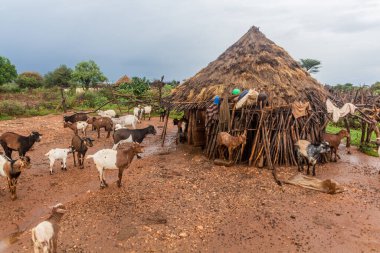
254	62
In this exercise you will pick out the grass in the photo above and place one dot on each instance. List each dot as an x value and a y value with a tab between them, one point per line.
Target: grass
356	134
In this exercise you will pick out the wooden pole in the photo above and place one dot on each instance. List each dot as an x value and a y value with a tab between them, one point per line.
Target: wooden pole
165	128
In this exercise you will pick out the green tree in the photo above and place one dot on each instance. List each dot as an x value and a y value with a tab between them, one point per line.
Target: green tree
30	80
8	72
61	77
137	86
311	65
88	73
376	88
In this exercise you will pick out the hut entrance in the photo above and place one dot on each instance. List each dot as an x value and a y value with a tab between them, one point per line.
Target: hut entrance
197	128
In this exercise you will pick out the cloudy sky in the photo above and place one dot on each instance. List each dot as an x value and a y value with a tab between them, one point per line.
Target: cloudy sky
177	38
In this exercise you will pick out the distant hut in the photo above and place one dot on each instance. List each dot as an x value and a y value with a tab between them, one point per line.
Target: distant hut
254	62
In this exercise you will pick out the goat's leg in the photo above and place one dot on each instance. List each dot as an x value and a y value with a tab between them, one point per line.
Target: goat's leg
308	167
98	132
314	169
109	133
120	177
75	164
230	151
103	177
64	163
51	166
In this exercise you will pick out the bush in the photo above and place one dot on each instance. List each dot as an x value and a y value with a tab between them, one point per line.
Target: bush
30	80
10	88
11	108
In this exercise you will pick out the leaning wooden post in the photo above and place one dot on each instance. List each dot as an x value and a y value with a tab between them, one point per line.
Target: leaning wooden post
267	154
165	128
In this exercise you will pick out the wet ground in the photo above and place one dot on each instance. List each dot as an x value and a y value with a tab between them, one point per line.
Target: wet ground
175	200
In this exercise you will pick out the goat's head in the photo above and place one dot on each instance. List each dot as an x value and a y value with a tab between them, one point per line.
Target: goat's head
36	136
151	130
243	137
137	148
88	142
59	208
324	147
66	124
344	133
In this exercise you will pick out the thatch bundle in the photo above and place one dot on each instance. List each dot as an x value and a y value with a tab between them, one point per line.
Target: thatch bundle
252	62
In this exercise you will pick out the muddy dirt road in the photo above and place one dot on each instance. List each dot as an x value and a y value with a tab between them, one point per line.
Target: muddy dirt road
175	200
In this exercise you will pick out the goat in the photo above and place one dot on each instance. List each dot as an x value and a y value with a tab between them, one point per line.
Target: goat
334	141
231	142
147	110
162	115
262	100
80	146
15	142
80	116
108	113
102	122
11	169
79	125
127	120
108	159
137	111
182	126
58	153
136	135
310	152
45	234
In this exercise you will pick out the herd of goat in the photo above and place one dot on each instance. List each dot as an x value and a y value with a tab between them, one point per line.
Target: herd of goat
119	157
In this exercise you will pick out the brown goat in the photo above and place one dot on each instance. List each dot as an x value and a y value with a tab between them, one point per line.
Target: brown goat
334	141
15	142
102	122
76	126
231	142
11	169
109	159
80	145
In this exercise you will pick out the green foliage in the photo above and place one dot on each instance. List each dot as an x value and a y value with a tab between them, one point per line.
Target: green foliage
89	100
137	86
88	74
11	108
10	88
376	88
30	80
8	71
311	65
345	87
61	77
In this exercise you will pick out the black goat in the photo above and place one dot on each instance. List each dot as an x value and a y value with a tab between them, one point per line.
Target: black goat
15	142
80	146
79	116
133	135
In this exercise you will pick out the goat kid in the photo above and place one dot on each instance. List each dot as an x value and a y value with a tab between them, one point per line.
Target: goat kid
334	141
80	145
107	113
108	159
11	170
231	142
45	234
79	125
58	154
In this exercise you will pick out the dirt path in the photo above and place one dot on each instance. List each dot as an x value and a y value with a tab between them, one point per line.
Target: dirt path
176	200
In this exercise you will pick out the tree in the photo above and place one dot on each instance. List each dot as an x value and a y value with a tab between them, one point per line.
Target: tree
137	86
8	72
30	80
159	84
88	74
376	88
311	65
61	77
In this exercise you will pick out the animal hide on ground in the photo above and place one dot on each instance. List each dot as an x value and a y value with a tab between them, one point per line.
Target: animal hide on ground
329	186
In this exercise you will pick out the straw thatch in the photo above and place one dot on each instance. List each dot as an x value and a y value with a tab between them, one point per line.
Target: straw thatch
252	62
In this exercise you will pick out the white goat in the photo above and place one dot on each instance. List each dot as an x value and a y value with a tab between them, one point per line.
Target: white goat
147	110
127	120
118	126
108	113
58	153
45	234
137	111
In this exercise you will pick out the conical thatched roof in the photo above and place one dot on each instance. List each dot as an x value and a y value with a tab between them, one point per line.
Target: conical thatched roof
252	62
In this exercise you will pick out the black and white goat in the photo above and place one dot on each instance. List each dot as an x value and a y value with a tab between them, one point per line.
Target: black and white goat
310	152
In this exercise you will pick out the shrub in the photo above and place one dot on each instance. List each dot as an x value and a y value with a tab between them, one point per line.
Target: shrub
10	87
11	108
30	80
